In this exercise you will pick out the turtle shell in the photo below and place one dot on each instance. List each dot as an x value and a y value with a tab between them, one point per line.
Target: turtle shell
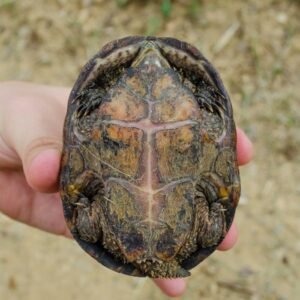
149	177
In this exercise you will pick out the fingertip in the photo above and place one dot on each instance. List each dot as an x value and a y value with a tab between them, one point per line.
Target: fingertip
230	238
42	171
244	147
171	287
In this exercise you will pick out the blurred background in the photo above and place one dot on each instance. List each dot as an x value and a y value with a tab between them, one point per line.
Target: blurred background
255	45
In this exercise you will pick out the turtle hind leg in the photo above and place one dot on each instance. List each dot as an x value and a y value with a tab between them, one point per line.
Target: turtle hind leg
88	223
211	225
88	189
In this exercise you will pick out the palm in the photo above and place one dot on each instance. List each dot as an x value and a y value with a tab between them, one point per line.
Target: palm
19	201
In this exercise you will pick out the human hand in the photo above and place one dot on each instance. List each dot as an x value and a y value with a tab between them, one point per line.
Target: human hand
31	122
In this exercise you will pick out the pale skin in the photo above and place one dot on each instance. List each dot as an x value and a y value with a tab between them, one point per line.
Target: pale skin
31	122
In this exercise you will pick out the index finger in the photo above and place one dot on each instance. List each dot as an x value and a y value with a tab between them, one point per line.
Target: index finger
244	148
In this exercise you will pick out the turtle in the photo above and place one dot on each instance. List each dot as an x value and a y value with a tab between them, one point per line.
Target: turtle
149	178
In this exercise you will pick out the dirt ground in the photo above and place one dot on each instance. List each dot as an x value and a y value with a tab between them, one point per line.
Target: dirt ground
255	45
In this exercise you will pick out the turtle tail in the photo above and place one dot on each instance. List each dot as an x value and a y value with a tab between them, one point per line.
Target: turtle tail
160	269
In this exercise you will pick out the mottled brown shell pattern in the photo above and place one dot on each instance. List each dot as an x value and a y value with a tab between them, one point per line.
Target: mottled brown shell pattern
149	178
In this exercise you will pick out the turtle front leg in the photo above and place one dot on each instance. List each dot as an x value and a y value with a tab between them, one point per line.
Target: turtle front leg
89	99
210	196
87	191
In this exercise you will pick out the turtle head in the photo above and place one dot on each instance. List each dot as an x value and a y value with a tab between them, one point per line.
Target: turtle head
150	54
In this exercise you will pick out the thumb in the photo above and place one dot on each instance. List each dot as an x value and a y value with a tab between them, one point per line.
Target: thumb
31	128
41	166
